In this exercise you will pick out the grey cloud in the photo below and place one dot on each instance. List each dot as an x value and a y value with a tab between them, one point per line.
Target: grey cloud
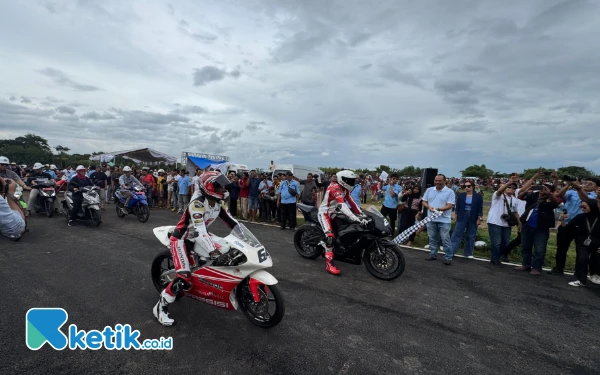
207	128
204	37
573	108
68	117
474	126
401	77
255	125
208	74
65	109
291	134
231	134
366	66
451	86
12	98
62	79
25	100
183	23
95	116
235	73
21	110
145	117
190	109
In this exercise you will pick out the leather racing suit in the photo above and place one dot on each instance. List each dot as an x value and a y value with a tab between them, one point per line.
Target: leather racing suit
192	226
334	203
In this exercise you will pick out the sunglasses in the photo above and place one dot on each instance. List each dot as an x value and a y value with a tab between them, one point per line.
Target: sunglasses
468	186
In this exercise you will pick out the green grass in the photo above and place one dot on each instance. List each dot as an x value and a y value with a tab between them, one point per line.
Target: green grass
482	235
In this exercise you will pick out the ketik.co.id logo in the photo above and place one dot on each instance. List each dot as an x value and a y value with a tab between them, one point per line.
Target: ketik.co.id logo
42	325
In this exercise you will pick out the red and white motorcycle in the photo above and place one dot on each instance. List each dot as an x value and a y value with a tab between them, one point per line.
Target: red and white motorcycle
235	280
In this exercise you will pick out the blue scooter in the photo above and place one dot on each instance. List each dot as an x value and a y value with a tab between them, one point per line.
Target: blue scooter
138	205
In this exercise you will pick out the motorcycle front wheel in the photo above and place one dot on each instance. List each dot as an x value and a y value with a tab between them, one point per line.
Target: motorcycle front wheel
306	241
142	213
95	217
268	312
119	206
49	208
386	266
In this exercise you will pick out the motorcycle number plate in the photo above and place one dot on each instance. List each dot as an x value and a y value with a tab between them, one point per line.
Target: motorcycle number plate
48	189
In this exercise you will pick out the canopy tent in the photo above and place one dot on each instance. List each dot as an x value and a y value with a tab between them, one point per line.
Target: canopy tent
194	162
143	155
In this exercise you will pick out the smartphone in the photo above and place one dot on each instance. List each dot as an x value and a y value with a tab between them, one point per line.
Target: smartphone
538	188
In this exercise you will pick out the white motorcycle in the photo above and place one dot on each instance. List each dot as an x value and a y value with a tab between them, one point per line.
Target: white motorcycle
90	207
235	280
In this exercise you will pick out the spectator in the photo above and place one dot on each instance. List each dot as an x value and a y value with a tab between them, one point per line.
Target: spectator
234	192
468	216
253	193
504	206
99	179
572	194
286	201
413	205
439	198
309	192
587	243
12	220
389	207
265	203
244	191
183	186
537	221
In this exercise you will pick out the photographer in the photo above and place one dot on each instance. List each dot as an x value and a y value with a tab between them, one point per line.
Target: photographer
12	220
537	220
502	217
572	194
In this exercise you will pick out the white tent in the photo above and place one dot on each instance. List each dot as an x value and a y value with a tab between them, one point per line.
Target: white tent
143	155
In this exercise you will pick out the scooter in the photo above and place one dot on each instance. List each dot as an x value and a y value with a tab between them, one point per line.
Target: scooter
90	207
44	202
235	280
138	205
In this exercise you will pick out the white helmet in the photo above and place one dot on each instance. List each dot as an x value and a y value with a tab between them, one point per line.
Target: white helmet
80	167
161	171
38	166
53	167
4	160
347	179
126	169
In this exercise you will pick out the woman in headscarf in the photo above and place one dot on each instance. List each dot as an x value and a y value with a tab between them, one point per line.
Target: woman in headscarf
587	243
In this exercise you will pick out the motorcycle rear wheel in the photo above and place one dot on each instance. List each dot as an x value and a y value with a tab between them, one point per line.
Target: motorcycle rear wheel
305	234
388	267
95	217
259	313
161	277
142	213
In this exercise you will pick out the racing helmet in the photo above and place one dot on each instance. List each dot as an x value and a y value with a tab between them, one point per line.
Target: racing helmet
212	185
347	179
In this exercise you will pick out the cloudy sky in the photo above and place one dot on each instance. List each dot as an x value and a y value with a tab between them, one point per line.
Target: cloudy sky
355	83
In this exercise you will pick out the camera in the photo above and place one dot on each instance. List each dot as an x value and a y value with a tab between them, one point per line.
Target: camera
569	178
505	217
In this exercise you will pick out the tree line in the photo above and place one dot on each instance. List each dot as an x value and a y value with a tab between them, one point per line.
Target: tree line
31	148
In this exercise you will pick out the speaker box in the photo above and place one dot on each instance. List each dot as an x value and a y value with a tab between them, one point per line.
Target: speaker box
427	178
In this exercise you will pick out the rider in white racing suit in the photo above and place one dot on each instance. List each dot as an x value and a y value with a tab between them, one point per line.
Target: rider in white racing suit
202	211
333	204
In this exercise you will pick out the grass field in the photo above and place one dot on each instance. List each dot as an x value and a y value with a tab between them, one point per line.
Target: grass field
482	235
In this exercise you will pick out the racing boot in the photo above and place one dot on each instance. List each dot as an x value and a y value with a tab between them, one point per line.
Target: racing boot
329	263
161	312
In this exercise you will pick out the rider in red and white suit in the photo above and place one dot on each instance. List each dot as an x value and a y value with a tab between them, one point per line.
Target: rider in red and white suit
333	204
202	211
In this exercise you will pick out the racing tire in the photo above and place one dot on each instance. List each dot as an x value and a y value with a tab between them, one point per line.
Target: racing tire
159	280
305	234
389	268
255	312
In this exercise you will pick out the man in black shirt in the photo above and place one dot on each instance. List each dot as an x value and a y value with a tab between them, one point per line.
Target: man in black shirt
100	179
537	221
33	176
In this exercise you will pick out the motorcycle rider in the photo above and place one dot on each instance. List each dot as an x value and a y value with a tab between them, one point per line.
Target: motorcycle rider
78	181
35	174
126	181
334	204
199	215
10	174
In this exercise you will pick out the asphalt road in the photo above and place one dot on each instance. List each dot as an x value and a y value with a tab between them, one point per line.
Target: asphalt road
435	319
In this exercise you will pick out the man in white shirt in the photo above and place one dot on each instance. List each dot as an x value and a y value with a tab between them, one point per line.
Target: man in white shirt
12	219
504	204
440	198
196	180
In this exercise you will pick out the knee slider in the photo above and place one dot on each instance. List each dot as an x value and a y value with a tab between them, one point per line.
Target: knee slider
329	240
